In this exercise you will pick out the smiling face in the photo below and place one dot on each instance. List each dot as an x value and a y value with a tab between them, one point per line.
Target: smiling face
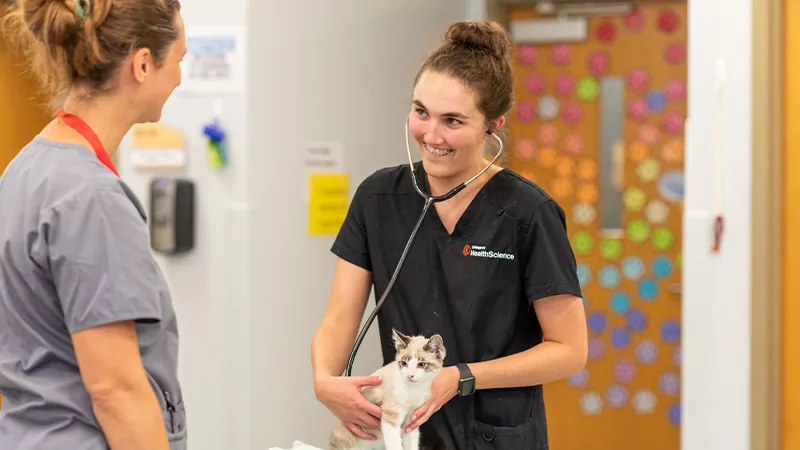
449	127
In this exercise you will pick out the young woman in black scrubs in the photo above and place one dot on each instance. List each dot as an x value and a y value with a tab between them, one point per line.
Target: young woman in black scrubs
491	269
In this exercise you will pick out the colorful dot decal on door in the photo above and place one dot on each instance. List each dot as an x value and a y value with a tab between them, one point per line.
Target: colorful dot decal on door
617	396
587	193
588	89
624	371
573	143
673	123
669	383
648	289
656	212
636	320
675	414
597	349
634	199
598	63
635	20
560	55
676	91
606	32
535	83
584	274
548	157
644	402
571	113
587	170
548	107
525	111
579	380
648	170
637	151
620	338
584	214
527	55
671	186
610	248
609	277
620	303
673	151
638	80
663	239
596	322
582	242
649	134
670	331
564	85
675	53
662	267
525	149
564	167
638	230
633	267
656	101
562	188
637	109
548	134
647	352
591	404
667	21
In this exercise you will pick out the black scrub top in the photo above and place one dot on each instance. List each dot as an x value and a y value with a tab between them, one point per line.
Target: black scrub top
474	287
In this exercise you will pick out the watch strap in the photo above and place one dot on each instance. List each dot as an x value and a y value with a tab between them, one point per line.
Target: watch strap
466	385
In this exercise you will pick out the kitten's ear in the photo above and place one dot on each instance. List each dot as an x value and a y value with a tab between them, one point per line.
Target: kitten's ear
435	345
400	340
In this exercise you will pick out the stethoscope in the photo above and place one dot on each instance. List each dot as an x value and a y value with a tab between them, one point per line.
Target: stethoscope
429	200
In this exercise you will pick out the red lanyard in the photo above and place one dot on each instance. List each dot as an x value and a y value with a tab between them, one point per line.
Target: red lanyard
77	124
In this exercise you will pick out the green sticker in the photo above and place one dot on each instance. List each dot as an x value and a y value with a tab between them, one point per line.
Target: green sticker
610	248
588	89
638	231
634	199
663	239
582	242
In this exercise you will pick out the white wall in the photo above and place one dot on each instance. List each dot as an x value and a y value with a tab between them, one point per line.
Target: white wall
251	294
716	301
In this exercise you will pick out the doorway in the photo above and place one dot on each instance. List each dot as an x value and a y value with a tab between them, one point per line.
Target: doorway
598	124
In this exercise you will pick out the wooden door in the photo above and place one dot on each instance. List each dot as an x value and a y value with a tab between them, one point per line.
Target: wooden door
599	125
23	111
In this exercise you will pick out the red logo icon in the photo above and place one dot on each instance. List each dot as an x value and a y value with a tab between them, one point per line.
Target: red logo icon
467	250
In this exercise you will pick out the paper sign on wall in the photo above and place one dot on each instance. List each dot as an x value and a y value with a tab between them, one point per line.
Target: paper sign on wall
215	60
157	146
327	157
328	203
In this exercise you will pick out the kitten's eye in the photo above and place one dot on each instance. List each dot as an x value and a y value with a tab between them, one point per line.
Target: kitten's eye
402	363
421	365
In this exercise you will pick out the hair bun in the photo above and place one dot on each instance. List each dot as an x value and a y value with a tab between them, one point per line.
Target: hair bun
484	35
52	22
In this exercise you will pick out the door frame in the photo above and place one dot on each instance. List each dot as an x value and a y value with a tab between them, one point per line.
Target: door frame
767	218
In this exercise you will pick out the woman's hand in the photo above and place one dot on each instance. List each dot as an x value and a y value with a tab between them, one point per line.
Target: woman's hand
444	388
343	397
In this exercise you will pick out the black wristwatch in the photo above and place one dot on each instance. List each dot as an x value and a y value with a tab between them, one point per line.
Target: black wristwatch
466	385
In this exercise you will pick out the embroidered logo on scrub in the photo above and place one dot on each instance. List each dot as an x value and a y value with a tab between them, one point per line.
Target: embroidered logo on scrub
480	251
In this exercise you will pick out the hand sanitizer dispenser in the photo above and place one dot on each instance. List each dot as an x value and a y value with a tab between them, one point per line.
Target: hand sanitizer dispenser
171	215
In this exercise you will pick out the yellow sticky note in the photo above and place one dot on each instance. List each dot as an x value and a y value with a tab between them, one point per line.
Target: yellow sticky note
328	203
153	135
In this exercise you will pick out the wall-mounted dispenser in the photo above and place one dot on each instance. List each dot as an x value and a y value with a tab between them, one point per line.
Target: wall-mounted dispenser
172	227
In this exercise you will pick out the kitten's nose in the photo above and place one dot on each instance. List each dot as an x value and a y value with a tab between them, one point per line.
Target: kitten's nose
411	376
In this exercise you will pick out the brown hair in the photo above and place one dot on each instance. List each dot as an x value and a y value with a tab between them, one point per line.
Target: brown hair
478	55
84	42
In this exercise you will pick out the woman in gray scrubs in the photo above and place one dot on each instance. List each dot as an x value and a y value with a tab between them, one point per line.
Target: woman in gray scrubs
88	335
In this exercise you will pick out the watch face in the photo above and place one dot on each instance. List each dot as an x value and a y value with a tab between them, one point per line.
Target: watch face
467	386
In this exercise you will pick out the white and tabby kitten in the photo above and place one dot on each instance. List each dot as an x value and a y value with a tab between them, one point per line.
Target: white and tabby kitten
405	387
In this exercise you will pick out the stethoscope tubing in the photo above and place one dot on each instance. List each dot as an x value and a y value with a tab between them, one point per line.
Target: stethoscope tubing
429	200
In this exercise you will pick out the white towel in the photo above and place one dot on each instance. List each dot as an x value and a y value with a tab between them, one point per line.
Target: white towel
297	446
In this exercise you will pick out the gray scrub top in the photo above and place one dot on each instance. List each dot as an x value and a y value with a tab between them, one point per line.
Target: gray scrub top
74	254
